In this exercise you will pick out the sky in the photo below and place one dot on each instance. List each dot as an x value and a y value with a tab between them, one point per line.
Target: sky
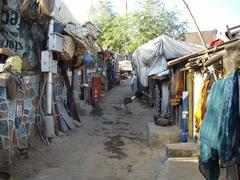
209	14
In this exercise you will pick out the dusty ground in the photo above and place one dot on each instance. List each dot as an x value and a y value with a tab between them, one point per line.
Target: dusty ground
111	145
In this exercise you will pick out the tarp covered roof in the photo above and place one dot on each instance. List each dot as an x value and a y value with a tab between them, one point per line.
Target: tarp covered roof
151	58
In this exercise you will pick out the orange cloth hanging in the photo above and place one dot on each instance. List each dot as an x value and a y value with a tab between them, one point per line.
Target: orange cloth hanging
177	86
201	106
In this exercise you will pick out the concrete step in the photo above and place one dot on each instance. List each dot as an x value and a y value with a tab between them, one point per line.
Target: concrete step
157	136
181	150
183	169
180	168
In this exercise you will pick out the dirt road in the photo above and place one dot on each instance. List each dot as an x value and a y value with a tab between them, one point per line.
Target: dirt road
111	145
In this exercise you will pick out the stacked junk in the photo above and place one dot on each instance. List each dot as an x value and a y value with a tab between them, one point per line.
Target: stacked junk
46	69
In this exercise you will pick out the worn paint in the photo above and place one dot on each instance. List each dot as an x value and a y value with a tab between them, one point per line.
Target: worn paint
15	36
190	104
18	117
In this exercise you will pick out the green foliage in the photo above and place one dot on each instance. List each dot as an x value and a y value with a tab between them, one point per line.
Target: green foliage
124	34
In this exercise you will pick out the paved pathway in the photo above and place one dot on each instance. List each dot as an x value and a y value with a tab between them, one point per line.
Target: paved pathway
111	145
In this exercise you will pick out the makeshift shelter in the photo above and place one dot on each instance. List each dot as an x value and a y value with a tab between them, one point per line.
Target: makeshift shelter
40	41
151	58
214	107
150	63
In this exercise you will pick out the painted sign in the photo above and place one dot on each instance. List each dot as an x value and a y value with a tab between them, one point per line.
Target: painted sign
14	36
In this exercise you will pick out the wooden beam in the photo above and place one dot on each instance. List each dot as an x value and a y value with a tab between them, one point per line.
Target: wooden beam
190	105
215	58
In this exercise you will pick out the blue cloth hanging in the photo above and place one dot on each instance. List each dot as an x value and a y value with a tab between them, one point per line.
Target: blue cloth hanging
220	129
88	60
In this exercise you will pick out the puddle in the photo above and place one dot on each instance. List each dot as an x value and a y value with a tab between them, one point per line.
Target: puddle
114	145
117	108
134	138
122	129
129	168
96	111
123	123
108	122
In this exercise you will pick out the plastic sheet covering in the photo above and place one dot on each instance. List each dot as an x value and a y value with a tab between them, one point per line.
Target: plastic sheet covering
62	13
82	31
151	58
15	63
84	35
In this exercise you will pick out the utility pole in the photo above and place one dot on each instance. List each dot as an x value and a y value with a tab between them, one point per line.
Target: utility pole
126	31
90	11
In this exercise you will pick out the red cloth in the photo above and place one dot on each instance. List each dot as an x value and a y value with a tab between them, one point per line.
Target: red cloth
216	42
106	55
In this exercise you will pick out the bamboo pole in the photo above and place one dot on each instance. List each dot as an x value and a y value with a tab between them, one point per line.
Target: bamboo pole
199	32
211	69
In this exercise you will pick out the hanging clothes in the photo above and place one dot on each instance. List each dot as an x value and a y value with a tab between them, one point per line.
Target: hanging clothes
106	55
177	85
220	129
201	106
88	60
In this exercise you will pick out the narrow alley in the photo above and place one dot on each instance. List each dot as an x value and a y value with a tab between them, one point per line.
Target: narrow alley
111	145
119	90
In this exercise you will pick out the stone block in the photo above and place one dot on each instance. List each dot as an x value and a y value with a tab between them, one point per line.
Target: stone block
180	168
182	150
157	136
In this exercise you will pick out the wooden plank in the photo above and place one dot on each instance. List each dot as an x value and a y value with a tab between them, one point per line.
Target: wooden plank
190	105
64	115
70	95
215	58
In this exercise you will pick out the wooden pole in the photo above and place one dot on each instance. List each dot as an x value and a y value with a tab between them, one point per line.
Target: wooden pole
211	69
199	32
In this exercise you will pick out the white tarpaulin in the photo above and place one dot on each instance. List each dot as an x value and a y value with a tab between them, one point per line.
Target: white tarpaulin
62	13
151	58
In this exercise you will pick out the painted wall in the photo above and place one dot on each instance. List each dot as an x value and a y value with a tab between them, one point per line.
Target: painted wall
17	117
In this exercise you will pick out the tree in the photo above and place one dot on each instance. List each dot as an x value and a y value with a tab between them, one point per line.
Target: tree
150	20
103	15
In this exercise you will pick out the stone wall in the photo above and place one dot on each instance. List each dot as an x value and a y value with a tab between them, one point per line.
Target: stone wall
17	117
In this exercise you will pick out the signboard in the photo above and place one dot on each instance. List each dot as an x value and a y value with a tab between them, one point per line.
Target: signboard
14	36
